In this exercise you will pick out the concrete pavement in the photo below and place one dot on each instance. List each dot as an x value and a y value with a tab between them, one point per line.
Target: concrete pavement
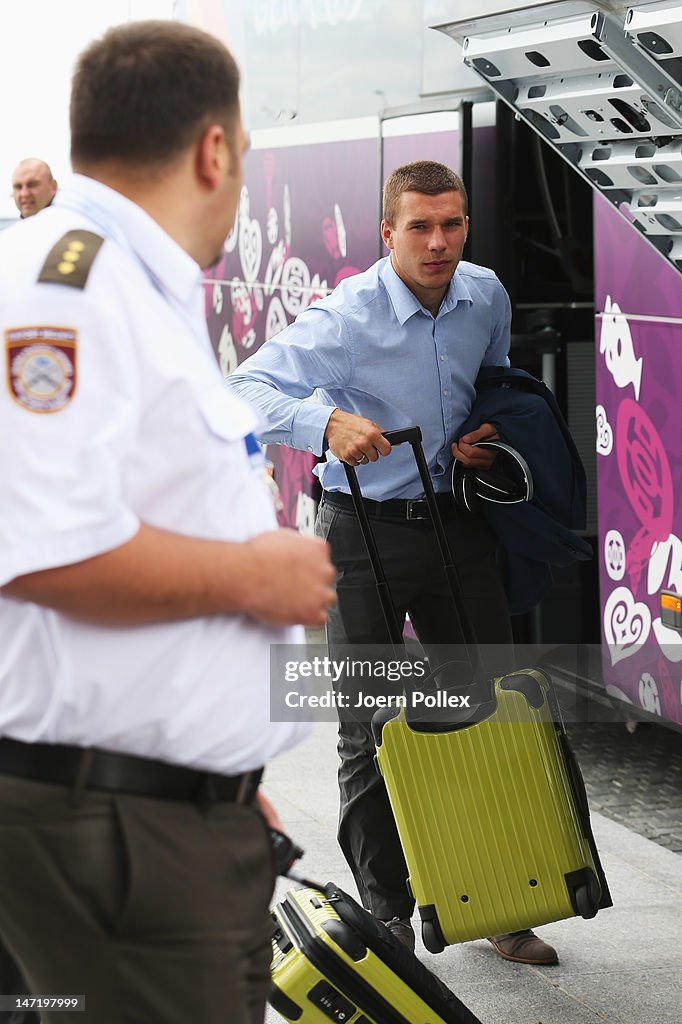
623	967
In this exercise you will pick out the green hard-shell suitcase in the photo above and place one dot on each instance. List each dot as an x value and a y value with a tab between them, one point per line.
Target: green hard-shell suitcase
492	813
333	961
492	816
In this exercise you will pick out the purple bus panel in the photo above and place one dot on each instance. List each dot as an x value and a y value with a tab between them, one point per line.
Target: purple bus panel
639	463
404	149
308	217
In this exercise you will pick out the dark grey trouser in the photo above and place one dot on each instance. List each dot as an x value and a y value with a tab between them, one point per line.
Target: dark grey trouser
413	566
152	909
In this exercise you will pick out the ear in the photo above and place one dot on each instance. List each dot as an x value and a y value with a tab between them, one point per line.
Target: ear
387	234
212	156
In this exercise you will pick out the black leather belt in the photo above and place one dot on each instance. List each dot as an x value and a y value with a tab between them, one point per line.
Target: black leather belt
82	768
409	510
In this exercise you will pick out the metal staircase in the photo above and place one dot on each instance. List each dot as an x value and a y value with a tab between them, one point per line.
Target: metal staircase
602	84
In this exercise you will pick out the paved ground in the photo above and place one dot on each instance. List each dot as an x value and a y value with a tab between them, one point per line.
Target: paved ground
634	778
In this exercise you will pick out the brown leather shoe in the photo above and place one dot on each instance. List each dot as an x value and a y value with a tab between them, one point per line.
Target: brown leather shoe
524	948
401	929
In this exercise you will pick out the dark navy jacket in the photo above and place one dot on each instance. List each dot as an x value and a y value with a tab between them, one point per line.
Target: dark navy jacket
537	534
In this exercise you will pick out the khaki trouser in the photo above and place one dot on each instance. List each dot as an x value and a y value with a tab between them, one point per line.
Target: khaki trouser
155	911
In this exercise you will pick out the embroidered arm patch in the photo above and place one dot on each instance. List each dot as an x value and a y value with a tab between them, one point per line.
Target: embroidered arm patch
41	366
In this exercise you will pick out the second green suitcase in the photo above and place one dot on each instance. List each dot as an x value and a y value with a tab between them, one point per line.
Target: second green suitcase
334	961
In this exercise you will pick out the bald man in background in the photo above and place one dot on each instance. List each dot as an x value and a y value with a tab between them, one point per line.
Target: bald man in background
33	187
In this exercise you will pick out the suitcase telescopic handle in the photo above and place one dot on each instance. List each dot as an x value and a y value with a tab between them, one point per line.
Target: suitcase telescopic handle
413	436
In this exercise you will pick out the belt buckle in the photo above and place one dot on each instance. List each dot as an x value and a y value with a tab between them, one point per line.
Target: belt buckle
416	509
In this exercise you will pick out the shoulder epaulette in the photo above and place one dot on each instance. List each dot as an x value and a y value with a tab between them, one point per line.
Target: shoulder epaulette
70	260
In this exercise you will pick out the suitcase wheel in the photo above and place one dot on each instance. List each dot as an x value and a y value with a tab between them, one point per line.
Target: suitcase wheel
432	936
583	901
585	892
588	898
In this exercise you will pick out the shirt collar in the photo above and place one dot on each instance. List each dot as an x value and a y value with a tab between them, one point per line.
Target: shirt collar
406	304
119	218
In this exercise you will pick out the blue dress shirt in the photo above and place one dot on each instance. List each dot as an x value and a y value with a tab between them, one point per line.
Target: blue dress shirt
371	348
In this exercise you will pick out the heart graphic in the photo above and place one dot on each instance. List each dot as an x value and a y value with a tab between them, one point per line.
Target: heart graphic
627	624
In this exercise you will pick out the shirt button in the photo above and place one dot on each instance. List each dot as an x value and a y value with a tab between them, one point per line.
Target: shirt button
445	391
310	447
442	358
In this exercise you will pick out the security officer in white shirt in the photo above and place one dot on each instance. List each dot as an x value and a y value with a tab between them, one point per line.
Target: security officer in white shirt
143	576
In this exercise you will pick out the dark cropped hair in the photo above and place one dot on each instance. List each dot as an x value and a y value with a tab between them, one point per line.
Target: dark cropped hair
425	176
144	91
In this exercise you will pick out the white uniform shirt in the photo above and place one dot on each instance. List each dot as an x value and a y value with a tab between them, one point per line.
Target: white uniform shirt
113	411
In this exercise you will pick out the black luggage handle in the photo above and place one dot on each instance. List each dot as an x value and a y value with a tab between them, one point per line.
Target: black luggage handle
413	436
409	434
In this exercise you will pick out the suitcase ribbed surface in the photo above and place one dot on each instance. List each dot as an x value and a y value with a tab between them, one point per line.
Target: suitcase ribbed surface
487	818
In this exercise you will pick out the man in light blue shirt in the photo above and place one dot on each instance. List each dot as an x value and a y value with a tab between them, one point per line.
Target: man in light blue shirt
396	346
